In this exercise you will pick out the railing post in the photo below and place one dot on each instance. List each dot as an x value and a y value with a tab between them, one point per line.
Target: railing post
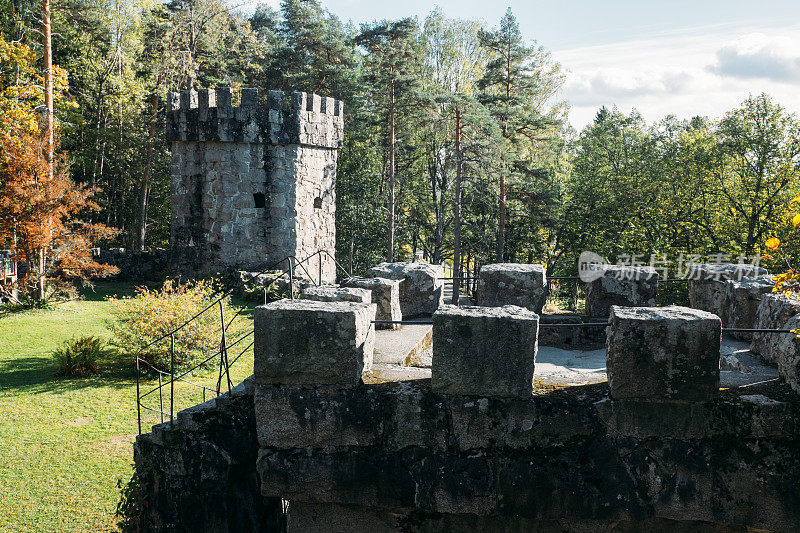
138	399
319	257
223	353
291	279
351	257
160	397
172	375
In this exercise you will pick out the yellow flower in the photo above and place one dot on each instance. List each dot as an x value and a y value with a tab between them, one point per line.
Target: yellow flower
773	243
796	220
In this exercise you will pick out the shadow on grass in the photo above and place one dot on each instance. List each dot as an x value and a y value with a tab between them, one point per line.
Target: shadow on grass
35	375
105	289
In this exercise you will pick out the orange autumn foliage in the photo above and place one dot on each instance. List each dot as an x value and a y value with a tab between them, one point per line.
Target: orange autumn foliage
39	214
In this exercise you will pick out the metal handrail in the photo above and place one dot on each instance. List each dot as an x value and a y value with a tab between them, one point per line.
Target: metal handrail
292	263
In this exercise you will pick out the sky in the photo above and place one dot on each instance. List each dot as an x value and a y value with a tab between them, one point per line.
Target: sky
679	57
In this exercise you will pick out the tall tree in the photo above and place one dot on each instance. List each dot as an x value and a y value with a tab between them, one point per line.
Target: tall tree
517	84
759	146
47	48
455	61
39	204
393	71
314	53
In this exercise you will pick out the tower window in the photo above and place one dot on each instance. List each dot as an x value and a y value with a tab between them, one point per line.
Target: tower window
317	203
260	200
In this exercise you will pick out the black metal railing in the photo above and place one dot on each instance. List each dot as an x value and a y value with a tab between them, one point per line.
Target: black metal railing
288	265
570	289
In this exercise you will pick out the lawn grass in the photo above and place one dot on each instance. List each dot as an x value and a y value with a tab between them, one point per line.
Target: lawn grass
66	442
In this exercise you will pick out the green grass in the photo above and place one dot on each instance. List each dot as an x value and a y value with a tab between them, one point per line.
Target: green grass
65	442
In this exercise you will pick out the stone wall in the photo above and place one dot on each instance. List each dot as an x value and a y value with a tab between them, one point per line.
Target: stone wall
255	183
660	448
774	311
572	455
197	474
667	448
621	285
136	265
730	291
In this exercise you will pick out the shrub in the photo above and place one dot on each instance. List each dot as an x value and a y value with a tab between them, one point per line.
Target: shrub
78	357
276	284
141	320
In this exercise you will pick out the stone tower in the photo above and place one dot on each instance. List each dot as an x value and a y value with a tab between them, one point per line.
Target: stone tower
255	183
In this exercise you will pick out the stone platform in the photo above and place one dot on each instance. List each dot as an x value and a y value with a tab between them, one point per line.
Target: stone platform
404	345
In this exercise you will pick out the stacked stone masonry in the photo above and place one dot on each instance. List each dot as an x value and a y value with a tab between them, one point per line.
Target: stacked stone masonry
421	285
774	312
385	296
197	474
517	284
331	293
621	285
254	183
351	455
730	291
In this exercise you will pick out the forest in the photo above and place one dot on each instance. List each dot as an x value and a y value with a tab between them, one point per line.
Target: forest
457	145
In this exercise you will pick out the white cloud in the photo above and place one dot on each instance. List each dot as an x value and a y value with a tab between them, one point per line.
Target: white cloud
756	55
680	73
614	83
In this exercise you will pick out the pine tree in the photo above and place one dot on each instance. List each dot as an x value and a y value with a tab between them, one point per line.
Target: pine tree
517	84
315	54
393	73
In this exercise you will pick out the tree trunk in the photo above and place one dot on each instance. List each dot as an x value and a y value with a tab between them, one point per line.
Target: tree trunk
390	244
457	213
48	85
146	175
49	137
501	224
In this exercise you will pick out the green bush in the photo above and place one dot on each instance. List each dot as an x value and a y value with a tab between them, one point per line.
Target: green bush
149	315
79	356
276	285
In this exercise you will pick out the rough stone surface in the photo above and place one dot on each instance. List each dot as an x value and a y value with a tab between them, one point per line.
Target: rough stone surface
724	271
573	456
421	285
484	351
663	353
787	353
403	457
308	343
250	286
336	294
385	295
742	299
774	311
253	184
708	288
198	474
621	285
135	265
517	284
305	517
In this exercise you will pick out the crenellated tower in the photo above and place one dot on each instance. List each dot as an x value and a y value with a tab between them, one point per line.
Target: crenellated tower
253	183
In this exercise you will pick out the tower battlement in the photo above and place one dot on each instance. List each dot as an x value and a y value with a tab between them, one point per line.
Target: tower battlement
287	118
253	183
